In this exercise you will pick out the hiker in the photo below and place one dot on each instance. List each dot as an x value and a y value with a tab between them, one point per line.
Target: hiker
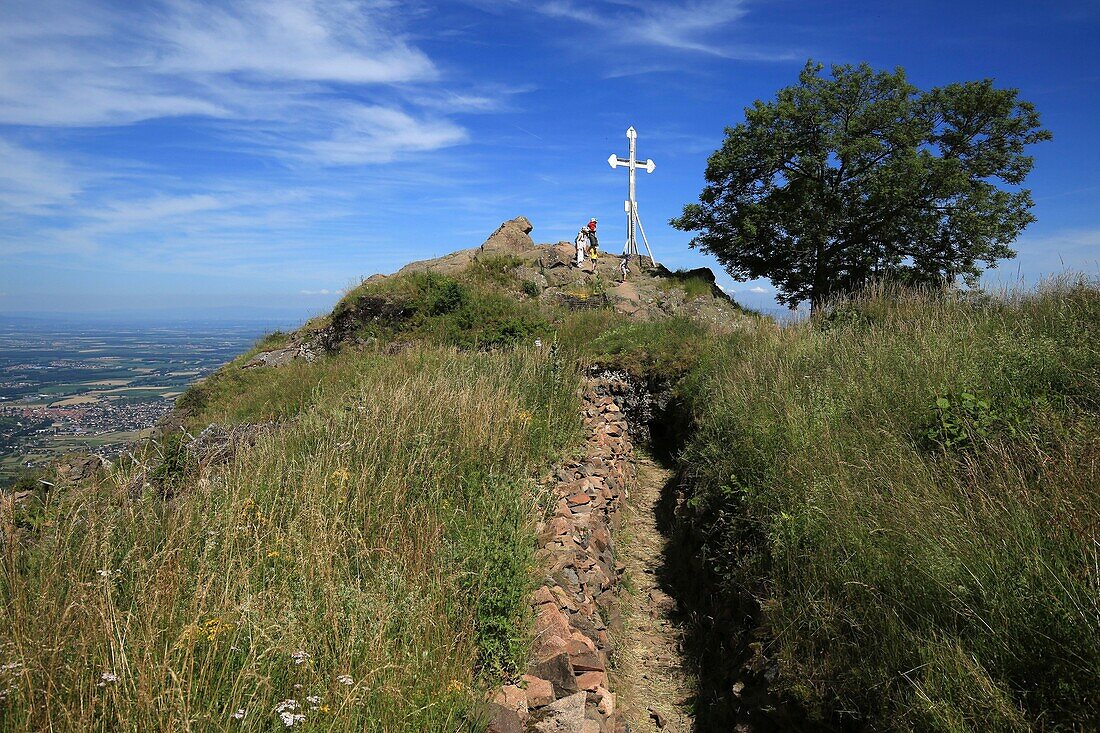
582	245
624	267
593	243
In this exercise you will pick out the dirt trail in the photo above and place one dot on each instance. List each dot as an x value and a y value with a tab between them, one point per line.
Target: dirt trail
652	678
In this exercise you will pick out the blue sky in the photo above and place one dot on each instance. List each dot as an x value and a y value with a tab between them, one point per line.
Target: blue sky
179	157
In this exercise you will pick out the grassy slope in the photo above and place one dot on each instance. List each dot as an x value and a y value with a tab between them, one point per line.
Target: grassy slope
385	530
912	494
923	558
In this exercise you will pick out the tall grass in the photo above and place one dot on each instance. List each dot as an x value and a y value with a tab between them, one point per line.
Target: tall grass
910	492
368	559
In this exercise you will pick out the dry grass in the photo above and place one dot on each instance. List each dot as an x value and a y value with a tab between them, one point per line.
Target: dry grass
384	530
908	490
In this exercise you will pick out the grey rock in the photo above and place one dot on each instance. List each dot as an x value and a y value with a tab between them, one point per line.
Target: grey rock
563	716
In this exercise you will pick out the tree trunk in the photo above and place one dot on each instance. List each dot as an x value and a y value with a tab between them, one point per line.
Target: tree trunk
819	291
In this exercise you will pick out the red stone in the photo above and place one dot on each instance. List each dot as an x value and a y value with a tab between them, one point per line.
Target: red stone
539	691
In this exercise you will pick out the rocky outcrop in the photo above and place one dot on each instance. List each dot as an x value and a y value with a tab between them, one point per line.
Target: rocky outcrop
566	687
545	272
511	237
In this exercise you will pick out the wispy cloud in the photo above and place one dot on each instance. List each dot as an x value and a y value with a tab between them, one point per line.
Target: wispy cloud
99	66
371	134
269	71
698	26
31	181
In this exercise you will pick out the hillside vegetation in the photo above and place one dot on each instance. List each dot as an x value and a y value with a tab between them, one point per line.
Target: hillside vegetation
905	497
365	560
894	508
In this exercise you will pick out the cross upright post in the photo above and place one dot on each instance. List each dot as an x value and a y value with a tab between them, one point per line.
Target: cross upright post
633	223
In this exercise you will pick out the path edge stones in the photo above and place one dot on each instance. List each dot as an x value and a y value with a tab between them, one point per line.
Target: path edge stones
566	686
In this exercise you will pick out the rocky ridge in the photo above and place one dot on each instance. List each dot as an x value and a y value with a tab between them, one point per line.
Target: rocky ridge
649	292
566	687
548	274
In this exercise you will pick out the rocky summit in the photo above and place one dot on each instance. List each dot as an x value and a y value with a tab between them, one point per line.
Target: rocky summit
650	291
544	276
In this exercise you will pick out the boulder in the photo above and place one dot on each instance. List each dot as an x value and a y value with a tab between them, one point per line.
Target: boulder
539	691
514	698
504	720
512	237
559	672
564	716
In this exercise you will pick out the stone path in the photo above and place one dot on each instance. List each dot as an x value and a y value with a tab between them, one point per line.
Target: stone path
566	687
654	686
584	615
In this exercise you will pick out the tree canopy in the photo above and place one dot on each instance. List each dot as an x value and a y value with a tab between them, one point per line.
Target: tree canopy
860	176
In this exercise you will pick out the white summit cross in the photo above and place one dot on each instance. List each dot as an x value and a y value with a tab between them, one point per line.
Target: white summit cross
633	223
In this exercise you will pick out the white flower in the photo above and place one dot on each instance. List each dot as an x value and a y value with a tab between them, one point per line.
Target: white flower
345	679
313	699
239	715
292	719
106	678
288	705
300	656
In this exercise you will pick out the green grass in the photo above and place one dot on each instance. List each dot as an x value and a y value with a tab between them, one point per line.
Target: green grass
385	529
693	285
476	309
907	492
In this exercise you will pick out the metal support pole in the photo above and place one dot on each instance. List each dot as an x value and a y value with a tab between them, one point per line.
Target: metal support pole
633	222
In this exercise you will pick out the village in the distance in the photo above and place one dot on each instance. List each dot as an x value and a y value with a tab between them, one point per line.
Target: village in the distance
96	387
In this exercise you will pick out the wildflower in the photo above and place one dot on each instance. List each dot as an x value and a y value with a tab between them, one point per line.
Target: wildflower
313	699
288	712
107	678
10	667
292	719
212	628
455	686
274	554
239	715
345	679
341	475
300	656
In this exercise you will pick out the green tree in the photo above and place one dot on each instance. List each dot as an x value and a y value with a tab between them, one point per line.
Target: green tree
861	176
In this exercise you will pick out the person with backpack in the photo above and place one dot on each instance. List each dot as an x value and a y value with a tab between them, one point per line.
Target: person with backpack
582	246
624	267
593	243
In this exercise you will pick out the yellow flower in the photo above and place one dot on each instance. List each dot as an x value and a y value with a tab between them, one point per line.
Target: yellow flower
274	553
210	629
455	686
341	475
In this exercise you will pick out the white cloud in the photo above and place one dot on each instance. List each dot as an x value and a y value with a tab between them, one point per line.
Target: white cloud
697	26
366	134
1052	252
758	289
333	40
30	180
322	291
267	70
